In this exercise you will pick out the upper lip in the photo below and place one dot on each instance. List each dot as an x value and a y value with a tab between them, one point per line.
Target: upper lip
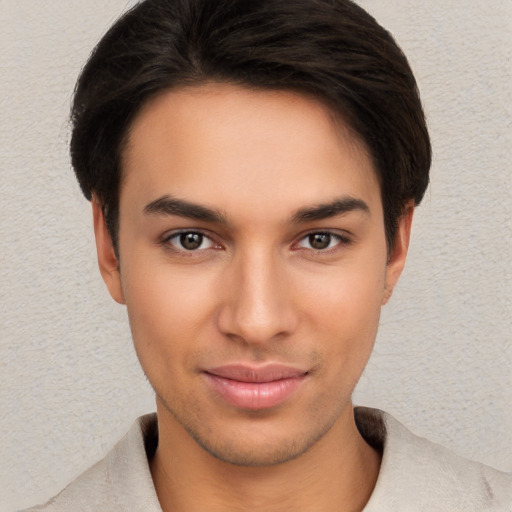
250	373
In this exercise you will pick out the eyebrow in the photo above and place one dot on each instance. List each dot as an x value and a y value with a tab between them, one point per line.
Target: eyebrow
168	205
332	209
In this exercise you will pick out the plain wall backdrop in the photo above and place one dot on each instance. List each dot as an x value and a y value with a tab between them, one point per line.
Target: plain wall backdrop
70	384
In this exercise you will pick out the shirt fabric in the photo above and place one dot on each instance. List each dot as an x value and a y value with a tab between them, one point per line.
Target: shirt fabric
415	475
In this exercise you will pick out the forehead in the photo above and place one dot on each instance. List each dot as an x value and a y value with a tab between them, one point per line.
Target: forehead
224	145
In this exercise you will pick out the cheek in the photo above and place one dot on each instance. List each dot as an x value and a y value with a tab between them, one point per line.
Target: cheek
345	307
349	328
167	308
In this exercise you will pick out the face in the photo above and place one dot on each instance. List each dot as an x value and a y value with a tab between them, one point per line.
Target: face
253	264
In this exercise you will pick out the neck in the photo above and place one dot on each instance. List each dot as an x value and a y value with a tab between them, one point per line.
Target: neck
339	472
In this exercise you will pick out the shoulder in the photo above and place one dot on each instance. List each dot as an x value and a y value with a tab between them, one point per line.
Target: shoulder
418	473
119	482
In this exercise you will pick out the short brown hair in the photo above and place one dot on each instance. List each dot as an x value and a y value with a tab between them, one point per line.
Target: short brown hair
331	49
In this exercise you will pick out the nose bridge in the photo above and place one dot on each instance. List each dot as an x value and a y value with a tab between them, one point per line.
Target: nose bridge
257	307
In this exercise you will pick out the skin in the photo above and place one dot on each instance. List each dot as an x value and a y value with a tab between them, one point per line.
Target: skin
256	291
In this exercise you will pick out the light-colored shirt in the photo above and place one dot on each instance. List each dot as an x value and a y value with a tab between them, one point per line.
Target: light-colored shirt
415	475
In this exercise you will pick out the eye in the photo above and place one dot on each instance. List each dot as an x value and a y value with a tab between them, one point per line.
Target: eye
321	241
190	241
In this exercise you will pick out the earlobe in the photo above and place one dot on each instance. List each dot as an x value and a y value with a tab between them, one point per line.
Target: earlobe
398	253
107	260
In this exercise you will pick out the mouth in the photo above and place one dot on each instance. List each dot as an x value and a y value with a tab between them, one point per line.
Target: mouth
255	388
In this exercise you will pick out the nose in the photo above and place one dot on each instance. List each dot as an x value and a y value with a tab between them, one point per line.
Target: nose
257	305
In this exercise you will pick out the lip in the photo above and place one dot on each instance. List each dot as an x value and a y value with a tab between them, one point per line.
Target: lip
255	387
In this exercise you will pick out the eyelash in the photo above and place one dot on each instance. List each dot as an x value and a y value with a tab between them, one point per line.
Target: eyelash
342	241
167	241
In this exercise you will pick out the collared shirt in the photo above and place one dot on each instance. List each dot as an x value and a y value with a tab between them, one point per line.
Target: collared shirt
415	475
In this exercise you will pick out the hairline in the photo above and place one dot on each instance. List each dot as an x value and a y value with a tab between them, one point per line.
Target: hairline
336	116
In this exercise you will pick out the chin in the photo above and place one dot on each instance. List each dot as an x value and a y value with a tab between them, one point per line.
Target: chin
260	448
240	454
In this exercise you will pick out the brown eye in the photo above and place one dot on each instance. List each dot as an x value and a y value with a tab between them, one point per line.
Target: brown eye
191	241
319	241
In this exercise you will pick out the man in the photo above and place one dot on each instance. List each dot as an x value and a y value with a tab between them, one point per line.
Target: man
253	168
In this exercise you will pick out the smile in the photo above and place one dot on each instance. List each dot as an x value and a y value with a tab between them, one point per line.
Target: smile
255	388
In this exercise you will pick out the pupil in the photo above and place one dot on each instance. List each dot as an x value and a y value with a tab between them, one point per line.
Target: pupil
320	240
191	241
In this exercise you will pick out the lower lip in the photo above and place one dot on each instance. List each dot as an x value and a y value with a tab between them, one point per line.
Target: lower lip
254	395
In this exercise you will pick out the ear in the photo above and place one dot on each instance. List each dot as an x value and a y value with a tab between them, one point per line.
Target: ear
107	260
398	253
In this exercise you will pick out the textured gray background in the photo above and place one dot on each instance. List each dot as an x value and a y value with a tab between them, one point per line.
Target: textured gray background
70	384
